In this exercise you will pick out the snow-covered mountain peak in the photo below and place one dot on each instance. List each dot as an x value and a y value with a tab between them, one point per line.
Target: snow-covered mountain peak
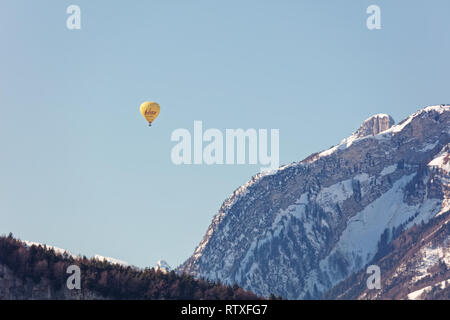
303	228
162	266
374	125
434	111
439	108
382	126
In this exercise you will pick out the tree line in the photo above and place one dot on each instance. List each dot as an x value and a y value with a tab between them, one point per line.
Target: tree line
110	280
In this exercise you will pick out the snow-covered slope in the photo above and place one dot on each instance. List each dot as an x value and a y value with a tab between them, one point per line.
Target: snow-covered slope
298	231
415	265
56	249
111	260
416	295
65	252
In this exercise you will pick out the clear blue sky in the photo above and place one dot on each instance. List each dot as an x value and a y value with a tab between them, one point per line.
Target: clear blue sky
80	169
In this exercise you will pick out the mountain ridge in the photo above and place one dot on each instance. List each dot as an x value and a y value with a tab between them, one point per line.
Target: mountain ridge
292	231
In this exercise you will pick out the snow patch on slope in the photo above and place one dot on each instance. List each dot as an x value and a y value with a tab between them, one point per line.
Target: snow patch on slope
429	146
56	249
337	193
358	243
418	293
430	257
111	260
63	252
442	162
388	170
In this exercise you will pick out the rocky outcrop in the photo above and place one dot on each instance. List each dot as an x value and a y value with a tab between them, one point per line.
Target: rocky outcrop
375	125
299	231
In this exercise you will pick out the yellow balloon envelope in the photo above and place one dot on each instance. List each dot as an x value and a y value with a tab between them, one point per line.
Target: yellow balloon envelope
150	110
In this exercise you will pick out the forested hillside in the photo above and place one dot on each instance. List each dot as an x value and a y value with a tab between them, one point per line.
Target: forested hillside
36	272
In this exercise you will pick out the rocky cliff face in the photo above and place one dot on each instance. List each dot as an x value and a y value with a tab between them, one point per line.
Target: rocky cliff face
374	125
299	231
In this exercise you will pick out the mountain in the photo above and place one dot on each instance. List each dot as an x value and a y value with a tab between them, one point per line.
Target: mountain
301	230
162	266
33	271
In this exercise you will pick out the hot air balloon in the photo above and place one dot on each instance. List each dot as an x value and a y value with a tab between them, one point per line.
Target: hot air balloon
150	110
